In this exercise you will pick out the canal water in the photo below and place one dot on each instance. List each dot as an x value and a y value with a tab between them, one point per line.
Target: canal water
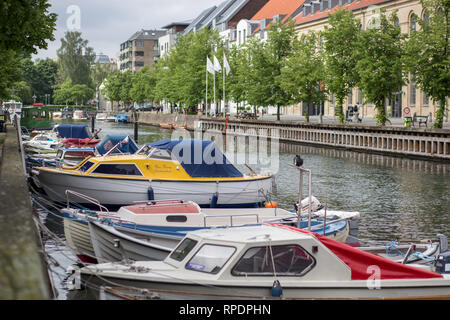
398	198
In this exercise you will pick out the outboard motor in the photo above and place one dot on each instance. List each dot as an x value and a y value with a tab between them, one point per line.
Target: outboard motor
443	259
315	205
443	263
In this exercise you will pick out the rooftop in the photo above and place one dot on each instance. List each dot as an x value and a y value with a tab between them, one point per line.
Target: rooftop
147	35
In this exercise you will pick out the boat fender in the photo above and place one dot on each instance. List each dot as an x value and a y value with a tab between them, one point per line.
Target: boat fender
214	199
150	193
277	290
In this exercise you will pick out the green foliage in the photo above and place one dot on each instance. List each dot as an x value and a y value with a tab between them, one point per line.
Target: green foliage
9	72
340	39
70	93
75	59
40	76
99	72
379	52
265	62
427	54
304	71
25	25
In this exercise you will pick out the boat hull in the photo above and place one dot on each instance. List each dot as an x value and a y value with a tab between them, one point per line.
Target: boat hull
235	290
112	245
116	192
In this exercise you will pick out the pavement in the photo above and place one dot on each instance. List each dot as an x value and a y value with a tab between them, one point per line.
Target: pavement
370	121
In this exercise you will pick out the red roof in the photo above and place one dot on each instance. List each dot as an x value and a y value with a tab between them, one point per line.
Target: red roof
274	7
319	15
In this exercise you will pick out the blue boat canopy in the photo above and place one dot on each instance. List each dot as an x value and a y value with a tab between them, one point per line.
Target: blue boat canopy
77	131
127	145
200	158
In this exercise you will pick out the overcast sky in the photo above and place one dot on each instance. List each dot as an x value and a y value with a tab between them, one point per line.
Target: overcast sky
108	23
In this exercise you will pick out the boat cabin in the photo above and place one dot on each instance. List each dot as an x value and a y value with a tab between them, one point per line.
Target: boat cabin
280	251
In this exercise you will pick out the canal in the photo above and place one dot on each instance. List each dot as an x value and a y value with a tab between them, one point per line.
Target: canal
399	198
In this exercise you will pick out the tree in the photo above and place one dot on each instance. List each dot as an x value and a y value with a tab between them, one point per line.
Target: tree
113	86
39	75
9	72
63	94
25	25
142	85
427	54
304	71
379	65
99	72
340	39
75	59
266	62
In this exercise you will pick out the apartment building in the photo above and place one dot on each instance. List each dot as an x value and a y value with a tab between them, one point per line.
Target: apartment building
168	40
141	49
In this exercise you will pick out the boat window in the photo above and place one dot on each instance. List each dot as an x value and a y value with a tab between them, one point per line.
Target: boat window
210	258
183	249
177	218
159	154
85	167
126	169
289	260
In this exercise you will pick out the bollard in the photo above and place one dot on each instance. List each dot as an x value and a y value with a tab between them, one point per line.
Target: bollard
136	131
93	123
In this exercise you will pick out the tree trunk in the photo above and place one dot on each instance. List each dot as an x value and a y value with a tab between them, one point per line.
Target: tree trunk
439	122
278	113
339	110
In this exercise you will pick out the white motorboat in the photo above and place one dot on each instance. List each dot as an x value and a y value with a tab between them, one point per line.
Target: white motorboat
273	262
145	230
100	116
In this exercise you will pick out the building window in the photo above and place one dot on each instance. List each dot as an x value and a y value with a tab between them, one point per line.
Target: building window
426	99
139	43
412	93
413	22
139	63
139	53
360	97
350	97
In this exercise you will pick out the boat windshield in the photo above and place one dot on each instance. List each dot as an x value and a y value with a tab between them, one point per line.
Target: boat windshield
155	153
210	258
183	249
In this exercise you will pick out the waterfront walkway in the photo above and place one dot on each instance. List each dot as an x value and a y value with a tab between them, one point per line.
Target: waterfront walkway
23	273
367	121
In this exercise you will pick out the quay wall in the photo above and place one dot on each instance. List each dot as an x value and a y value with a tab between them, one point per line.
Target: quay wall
23	274
422	143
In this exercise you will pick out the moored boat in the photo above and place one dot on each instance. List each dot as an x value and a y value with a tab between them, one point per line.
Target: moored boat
145	230
273	262
158	172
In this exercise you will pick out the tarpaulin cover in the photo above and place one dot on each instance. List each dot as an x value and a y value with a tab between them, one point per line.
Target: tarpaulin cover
360	261
87	142
73	131
200	158
127	146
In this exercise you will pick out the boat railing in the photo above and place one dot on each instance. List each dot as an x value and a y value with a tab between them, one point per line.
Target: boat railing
85	197
231	217
164	203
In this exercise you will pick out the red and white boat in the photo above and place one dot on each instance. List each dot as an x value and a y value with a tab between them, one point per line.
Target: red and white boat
273	262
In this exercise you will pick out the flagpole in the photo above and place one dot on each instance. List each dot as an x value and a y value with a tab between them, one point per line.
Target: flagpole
215	106
206	99
223	70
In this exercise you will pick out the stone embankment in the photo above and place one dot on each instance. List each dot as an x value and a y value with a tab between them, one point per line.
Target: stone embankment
23	273
425	143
